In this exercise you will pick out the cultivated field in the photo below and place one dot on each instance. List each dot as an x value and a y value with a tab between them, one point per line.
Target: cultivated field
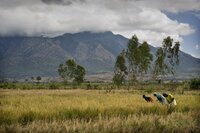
95	111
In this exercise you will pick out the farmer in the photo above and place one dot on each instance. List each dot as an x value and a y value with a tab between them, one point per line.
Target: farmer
148	99
160	98
170	99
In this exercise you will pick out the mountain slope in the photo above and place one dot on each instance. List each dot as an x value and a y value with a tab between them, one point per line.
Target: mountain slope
33	56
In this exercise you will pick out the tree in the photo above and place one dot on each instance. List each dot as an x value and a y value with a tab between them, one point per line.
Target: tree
70	70
133	57
38	78
145	58
120	71
139	57
167	57
160	67
171	53
79	74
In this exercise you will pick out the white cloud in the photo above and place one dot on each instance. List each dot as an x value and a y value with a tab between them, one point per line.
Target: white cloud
126	17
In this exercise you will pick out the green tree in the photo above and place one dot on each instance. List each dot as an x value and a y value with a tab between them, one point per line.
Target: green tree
167	57
171	53
71	71
38	78
159	66
79	74
133	57
139	58
145	58
120	71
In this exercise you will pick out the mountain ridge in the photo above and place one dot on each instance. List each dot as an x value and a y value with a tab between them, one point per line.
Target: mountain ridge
22	56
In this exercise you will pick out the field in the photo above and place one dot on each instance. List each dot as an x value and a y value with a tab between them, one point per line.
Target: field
80	110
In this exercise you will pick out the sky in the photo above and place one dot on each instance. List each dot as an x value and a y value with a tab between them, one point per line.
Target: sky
150	20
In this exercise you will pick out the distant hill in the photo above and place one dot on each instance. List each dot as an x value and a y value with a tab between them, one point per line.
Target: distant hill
33	56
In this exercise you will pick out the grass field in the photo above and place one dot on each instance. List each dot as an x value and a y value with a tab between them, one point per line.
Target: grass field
95	111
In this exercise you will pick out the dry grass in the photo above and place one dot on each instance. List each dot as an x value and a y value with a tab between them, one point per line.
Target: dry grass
94	111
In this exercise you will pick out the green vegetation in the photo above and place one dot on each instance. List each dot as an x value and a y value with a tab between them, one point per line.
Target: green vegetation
120	71
70	70
38	78
139	59
194	84
167	57
95	111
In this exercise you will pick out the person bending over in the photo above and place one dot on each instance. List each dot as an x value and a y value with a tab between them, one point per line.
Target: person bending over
148	99
170	99
160	98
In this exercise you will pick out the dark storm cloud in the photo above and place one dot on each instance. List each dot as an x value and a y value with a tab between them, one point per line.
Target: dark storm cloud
58	2
61	2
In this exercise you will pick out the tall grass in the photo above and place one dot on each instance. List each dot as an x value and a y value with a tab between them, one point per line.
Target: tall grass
95	111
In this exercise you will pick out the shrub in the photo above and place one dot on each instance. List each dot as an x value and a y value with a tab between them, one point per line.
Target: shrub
194	84
8	86
96	87
4	85
53	86
89	86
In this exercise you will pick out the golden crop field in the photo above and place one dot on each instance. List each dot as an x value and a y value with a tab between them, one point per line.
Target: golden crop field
95	111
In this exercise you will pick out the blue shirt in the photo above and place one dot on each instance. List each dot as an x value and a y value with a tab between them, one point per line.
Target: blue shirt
160	98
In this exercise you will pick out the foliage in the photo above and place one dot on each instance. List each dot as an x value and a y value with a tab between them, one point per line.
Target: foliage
167	57
139	58
133	57
194	84
160	66
120	70
70	70
145	57
38	78
53	86
79	74
8	85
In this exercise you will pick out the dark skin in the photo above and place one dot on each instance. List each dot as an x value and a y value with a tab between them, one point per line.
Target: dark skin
165	95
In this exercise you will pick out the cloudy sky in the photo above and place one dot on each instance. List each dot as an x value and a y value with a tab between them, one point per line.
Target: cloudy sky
150	20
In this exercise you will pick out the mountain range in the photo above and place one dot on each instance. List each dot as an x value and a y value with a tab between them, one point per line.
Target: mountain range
22	56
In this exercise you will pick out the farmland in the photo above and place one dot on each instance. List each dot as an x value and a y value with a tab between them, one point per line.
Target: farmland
81	110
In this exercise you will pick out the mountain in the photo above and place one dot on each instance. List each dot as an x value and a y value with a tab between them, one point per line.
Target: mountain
22	56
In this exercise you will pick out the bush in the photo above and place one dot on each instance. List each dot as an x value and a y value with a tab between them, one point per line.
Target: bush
53	86
194	84
89	86
4	85
8	86
96	87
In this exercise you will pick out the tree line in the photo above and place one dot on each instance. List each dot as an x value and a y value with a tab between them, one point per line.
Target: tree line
137	59
131	63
